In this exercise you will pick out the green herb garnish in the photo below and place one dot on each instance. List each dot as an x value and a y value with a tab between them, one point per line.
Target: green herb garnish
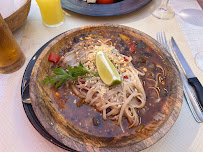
70	74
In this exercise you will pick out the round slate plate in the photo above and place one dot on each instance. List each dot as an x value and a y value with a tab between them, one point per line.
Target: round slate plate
63	132
119	8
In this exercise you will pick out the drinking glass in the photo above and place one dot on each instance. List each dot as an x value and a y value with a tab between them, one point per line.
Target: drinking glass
199	60
51	12
163	12
11	56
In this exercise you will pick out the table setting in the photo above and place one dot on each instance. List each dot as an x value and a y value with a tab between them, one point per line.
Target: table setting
36	117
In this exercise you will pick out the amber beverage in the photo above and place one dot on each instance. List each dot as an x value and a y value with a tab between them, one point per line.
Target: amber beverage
11	56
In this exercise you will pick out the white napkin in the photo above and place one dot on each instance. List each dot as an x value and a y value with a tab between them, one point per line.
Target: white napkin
193	34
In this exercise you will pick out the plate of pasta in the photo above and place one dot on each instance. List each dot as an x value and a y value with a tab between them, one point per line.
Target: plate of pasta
75	105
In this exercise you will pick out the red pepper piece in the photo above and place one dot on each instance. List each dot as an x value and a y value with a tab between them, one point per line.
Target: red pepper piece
105	1
132	48
54	58
147	50
83	82
125	76
125	59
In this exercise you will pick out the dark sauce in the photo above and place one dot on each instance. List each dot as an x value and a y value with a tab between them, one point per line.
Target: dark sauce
87	119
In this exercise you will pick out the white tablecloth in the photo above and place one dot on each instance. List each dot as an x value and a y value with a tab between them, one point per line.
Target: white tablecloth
16	132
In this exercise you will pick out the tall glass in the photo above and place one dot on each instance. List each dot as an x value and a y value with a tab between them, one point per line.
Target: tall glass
11	56
51	12
163	12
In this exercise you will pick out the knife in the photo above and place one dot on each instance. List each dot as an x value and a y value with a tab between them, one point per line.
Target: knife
192	79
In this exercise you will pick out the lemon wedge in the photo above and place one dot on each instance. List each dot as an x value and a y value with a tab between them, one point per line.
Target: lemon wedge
106	69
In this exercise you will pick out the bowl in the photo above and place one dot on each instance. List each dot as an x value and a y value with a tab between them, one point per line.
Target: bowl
18	18
122	7
63	129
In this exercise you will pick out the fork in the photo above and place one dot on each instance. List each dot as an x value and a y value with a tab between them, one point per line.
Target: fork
189	94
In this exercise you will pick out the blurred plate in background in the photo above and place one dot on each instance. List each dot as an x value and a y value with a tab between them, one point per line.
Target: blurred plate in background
119	8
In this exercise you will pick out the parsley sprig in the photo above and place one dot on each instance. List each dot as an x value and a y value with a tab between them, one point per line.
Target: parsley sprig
62	75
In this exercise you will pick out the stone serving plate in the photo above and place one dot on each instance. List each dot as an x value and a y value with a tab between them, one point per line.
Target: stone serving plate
61	130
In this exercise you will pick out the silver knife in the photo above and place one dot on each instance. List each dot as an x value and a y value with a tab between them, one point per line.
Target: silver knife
188	90
192	79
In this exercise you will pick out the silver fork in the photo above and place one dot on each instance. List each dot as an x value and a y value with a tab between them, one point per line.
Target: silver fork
189	93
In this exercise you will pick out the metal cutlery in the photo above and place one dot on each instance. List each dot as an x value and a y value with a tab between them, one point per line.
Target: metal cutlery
189	92
192	79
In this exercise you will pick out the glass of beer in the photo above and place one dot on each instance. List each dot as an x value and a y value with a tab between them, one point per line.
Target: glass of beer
51	12
11	56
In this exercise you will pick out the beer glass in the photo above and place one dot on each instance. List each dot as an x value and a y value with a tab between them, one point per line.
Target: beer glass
11	56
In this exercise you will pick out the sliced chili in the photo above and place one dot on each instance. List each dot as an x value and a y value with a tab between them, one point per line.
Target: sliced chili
125	76
125	59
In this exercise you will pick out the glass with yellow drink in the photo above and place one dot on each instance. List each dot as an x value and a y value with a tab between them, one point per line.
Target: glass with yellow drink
11	56
51	12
